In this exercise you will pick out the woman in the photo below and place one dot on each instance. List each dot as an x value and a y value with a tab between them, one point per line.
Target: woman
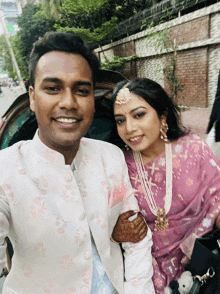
174	172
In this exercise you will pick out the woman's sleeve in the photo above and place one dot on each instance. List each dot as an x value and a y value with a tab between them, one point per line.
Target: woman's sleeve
209	183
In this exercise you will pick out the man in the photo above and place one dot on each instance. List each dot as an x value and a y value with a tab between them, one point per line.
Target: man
61	194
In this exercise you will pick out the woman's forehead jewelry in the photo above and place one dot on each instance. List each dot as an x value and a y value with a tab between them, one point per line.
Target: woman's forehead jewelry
123	96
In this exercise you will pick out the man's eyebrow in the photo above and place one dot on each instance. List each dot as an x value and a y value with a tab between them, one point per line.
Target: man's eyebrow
53	80
56	80
132	110
83	83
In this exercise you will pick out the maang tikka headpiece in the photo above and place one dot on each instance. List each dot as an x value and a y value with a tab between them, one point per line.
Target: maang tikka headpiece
123	95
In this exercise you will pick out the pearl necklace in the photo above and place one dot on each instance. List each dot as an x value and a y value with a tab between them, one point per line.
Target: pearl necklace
161	222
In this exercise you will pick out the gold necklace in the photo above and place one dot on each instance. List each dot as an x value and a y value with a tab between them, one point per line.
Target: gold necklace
161	222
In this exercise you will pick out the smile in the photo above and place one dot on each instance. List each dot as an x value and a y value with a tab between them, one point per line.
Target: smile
135	138
67	120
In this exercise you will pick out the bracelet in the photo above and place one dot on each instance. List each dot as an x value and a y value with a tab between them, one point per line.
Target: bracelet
114	241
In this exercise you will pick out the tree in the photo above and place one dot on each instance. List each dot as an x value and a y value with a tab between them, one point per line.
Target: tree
95	37
5	54
16	45
31	28
77	15
50	9
111	8
85	7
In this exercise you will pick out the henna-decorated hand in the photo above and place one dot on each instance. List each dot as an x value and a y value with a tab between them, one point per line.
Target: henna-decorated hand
130	231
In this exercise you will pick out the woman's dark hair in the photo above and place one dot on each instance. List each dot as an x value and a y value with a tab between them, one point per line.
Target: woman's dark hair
157	98
65	42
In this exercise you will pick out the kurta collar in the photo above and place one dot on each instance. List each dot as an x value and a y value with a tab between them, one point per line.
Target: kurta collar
54	156
46	152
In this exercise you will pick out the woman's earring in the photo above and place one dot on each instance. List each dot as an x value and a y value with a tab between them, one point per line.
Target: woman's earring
127	148
164	128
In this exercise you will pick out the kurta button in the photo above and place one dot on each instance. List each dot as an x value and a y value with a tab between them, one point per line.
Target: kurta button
68	177
87	255
84	290
82	216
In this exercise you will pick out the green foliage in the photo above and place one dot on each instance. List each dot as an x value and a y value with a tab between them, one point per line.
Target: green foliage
86	34
127	8
105	32
167	16
146	26
93	19
93	35
117	63
170	73
49	9
31	28
22	62
82	6
5	53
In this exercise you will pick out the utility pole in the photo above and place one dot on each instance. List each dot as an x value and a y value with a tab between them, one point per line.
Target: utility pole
11	51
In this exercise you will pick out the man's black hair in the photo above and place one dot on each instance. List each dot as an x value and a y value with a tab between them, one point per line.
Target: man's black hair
65	42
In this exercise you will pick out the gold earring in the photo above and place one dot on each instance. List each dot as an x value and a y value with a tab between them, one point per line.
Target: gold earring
164	128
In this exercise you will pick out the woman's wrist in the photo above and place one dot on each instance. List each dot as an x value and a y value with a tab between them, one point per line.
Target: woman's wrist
114	241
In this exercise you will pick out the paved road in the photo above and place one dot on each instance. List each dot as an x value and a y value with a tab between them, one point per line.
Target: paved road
197	120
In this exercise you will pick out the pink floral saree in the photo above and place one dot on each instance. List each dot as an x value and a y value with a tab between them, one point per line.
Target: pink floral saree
195	204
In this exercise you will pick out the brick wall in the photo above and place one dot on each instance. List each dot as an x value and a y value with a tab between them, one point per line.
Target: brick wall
124	50
192	73
197	36
191	31
152	69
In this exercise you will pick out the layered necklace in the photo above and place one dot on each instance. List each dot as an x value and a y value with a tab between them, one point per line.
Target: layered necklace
161	222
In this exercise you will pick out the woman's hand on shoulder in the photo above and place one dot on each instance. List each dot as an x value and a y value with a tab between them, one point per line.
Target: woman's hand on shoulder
130	231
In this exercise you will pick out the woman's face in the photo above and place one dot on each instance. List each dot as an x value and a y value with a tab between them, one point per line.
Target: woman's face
138	124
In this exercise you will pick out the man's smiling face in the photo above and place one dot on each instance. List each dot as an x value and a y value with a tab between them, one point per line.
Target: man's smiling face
62	99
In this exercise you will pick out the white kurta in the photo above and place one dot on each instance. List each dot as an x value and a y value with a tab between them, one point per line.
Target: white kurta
48	211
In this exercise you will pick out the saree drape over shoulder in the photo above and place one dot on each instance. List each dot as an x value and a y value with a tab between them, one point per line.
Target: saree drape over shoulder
195	203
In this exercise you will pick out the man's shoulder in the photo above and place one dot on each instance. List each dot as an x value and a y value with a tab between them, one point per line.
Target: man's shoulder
102	148
9	154
101	145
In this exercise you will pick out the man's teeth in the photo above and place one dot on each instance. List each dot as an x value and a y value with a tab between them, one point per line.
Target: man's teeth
135	138
66	120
